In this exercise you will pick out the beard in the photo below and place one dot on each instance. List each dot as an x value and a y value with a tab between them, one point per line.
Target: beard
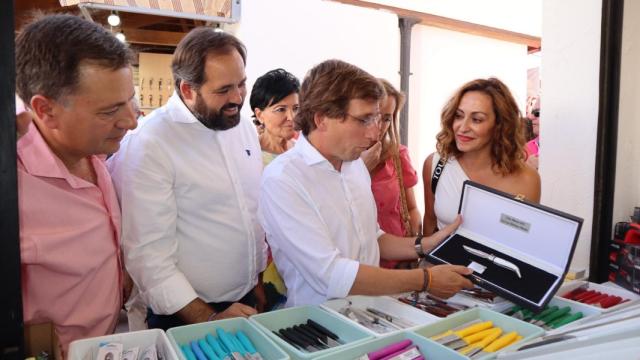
216	119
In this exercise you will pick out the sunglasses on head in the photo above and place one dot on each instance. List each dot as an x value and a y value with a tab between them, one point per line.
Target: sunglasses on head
536	113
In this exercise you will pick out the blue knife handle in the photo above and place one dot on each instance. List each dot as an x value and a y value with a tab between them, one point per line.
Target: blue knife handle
216	346
226	339
197	351
244	340
206	348
188	353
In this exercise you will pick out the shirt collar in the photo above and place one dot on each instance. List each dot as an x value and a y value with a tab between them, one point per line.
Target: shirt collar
309	153
179	110
38	159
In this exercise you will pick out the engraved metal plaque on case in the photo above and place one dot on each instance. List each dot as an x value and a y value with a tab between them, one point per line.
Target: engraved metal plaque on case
515	222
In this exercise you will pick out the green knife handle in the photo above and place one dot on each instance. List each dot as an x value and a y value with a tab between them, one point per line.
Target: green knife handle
545	312
565	320
556	315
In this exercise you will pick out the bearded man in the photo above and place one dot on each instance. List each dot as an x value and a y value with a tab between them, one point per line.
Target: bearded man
188	181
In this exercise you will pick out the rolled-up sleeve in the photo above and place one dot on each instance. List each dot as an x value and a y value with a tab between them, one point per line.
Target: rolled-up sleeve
143	176
300	238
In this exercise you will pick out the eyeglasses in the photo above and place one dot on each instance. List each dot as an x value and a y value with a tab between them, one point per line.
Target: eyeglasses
368	121
535	112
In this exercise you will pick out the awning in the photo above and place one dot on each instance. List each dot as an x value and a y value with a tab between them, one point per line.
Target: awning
206	10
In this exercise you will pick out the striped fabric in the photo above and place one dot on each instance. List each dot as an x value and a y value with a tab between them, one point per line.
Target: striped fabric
201	7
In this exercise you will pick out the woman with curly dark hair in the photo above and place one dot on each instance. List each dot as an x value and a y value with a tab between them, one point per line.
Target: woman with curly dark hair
482	139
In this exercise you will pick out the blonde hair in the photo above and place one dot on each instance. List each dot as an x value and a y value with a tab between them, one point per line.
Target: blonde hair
391	149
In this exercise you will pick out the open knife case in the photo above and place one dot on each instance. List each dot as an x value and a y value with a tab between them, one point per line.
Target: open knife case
517	249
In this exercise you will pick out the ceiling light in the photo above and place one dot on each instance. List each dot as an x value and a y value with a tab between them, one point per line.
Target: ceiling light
120	36
113	19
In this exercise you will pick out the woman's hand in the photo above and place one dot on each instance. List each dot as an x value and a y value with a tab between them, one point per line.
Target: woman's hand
430	242
371	156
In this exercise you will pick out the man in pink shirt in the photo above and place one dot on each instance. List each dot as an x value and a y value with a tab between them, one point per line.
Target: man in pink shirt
76	80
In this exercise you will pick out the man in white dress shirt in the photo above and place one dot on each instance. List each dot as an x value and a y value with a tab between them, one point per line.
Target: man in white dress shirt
317	208
188	182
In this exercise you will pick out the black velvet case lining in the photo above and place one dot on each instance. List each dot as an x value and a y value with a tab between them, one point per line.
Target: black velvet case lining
533	285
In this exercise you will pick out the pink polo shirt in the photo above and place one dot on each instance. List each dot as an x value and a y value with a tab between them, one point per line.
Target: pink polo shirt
69	243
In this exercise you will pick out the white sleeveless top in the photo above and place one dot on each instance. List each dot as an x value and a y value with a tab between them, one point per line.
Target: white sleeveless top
448	191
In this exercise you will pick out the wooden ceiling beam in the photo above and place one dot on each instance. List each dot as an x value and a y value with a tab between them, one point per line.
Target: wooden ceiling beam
452	24
152	37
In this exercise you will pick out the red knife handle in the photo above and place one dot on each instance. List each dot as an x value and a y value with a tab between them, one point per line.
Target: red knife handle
597	299
573	293
610	301
585	295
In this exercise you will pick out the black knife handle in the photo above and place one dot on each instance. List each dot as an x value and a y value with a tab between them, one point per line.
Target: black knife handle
293	339
309	336
323	330
292	334
310	329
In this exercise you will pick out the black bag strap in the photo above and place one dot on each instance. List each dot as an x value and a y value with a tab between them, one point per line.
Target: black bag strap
436	174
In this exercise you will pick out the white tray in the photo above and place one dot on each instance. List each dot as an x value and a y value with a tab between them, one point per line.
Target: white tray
87	349
386	304
608	288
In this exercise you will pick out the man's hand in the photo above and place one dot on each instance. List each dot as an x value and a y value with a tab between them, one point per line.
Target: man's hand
261	297
371	156
430	242
447	280
236	310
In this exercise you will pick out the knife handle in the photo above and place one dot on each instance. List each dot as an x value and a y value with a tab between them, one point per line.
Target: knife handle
244	340
293	338
474	329
501	342
308	337
323	330
316	333
215	345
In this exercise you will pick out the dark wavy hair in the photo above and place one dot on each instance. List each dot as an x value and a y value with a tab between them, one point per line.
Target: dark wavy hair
328	88
190	56
508	140
51	49
272	87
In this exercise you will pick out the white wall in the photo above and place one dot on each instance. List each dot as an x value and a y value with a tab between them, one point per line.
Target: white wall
627	193
298	34
441	62
569	116
523	16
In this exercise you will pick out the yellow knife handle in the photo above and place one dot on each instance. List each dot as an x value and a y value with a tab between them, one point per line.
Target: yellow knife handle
440	336
503	341
489	339
474	329
481	335
465	350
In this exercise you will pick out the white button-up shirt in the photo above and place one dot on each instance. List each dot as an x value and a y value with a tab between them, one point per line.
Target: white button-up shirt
320	223
189	204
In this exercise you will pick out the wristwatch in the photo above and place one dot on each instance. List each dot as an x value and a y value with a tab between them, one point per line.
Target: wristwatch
418	246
